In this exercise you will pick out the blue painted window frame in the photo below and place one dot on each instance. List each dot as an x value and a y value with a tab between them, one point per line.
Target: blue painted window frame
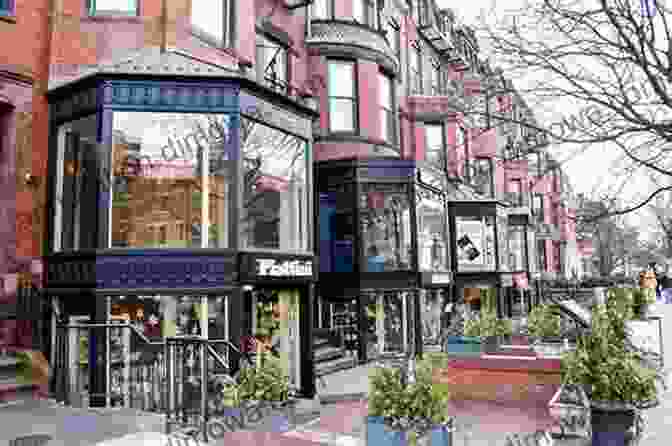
7	8
132	11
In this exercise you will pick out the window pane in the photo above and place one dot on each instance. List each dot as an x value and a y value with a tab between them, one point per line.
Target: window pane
125	6
392	37
516	249
275	213
482	176
320	10
385	125
341	115
384	91
386	228
157	160
432	243
358	10
208	16
77	186
342	79
434	149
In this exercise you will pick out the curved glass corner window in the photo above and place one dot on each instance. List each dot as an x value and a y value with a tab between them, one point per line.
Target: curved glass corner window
161	197
275	212
77	183
385	219
475	243
432	241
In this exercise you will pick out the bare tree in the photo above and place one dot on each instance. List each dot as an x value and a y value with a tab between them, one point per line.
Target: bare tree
597	75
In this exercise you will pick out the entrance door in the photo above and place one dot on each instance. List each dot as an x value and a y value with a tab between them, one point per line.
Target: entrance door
283	324
79	349
391	322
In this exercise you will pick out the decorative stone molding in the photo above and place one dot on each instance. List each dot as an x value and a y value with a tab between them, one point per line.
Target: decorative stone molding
360	41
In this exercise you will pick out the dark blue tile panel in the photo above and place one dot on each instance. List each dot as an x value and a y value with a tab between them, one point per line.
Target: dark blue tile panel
164	271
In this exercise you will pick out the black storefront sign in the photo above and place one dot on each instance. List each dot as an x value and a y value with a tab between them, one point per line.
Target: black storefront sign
277	267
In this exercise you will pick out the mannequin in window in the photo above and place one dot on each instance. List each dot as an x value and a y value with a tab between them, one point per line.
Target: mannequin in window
375	261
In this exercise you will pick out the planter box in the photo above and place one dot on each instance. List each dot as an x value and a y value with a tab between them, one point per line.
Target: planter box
377	433
265	416
464	346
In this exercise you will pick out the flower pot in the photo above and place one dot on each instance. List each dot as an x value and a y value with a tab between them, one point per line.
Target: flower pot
377	433
611	426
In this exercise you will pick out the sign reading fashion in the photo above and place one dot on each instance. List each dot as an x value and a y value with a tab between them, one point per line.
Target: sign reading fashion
284	268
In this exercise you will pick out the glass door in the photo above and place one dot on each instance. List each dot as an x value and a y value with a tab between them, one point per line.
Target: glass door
393	322
79	348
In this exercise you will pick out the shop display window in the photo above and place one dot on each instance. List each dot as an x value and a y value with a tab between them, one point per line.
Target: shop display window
385	218
432	240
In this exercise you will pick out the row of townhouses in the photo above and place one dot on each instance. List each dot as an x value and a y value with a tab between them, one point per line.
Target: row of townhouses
350	161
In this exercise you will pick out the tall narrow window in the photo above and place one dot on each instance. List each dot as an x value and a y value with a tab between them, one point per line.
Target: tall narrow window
214	19
320	9
515	192
386	103
104	7
272	65
462	146
538	207
415	68
541	255
392	36
359	11
7	8
435	151
435	81
342	97
482	177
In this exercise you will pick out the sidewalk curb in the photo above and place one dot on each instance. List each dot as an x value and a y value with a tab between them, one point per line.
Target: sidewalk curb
343	397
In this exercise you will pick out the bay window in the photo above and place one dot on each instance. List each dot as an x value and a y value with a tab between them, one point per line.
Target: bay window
213	20
272	64
435	149
386	104
342	97
108	7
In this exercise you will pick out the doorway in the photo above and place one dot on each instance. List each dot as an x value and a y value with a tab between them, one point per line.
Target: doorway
274	313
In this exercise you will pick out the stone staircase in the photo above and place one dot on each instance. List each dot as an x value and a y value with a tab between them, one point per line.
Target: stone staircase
329	357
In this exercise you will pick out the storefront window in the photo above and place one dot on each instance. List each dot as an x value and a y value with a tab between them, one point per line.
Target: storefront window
77	185
160	198
432	242
386	228
516	247
275	212
475	243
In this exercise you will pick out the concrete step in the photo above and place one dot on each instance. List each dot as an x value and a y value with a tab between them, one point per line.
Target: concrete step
327	353
335	365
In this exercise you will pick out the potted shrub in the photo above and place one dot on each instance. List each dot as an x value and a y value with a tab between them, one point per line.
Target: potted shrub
615	378
643	298
543	323
401	414
489	328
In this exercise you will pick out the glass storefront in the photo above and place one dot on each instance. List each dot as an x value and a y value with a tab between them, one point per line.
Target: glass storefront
385	218
475	243
161	195
432	237
276	210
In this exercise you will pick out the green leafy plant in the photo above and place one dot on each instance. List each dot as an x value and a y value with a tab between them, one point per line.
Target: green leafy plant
267	323
543	322
621	300
604	364
487	324
267	382
643	296
413	407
